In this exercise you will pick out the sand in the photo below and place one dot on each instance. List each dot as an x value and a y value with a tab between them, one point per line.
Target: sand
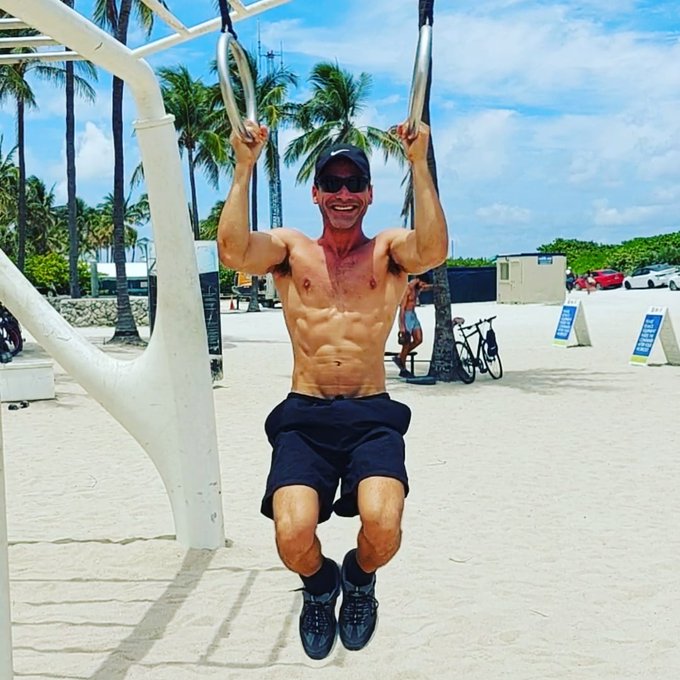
541	536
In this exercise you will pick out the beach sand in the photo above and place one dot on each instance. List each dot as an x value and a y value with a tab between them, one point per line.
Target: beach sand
541	535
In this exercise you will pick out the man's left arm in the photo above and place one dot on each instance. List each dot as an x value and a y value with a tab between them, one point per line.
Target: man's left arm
425	246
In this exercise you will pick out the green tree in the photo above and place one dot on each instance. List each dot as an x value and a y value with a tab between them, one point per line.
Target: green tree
71	180
329	117
197	122
274	110
9	175
208	228
86	218
49	273
15	86
42	223
134	214
115	16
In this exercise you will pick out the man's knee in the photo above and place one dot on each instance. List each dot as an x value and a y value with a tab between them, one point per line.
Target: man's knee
295	520
383	532
380	508
294	540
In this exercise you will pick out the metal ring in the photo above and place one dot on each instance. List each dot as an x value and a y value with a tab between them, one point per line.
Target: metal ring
225	43
421	71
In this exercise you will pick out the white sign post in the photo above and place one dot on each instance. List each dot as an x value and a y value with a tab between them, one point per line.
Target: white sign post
656	324
572	320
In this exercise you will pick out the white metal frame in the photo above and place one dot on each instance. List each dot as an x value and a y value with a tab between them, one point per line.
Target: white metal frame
182	32
172	413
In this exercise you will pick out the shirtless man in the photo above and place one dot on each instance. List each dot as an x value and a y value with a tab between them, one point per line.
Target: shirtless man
338	425
409	325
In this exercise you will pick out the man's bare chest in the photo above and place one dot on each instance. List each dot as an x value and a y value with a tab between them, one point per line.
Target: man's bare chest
345	279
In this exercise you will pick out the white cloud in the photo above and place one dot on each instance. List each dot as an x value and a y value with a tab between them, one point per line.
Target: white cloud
476	147
94	153
605	215
500	214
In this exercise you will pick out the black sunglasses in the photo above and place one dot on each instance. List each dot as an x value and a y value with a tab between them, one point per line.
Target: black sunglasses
332	183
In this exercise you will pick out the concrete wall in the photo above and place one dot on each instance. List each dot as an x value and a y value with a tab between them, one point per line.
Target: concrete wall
101	311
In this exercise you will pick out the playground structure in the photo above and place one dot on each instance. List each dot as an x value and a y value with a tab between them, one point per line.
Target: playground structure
172	413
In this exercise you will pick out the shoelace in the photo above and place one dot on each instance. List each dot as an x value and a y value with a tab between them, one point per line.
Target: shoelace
315	619
360	606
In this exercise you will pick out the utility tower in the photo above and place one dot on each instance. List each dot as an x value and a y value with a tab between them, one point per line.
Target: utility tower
273	61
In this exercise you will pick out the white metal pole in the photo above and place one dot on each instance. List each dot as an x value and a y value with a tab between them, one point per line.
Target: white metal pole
172	412
5	617
206	27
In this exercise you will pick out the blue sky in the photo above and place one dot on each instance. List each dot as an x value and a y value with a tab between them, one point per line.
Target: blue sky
549	119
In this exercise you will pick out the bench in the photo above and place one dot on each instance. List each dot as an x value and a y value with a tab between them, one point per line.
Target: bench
27	379
411	357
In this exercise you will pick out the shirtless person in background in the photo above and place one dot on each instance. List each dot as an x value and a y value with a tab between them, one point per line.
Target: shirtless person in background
338	425
410	330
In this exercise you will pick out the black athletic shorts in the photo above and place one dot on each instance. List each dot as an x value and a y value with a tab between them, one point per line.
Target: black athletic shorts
322	442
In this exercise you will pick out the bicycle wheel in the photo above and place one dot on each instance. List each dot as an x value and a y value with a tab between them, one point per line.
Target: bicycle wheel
493	363
466	365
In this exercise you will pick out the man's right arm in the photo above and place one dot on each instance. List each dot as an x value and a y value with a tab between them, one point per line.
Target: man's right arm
239	248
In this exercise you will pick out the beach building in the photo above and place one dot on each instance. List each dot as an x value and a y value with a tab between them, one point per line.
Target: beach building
137	277
530	278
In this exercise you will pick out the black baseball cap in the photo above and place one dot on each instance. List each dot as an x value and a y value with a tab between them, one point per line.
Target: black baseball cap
348	151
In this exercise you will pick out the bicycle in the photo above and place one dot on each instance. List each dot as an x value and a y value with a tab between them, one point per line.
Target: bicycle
486	359
11	342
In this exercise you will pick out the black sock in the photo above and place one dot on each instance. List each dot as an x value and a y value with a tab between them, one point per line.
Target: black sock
354	573
323	581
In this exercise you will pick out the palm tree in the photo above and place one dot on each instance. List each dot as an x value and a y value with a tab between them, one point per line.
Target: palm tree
208	230
134	214
274	109
196	121
328	117
9	174
444	357
74	244
115	16
14	85
44	231
86	219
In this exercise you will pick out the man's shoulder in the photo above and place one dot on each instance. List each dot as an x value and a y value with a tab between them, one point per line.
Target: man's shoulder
385	239
289	235
391	233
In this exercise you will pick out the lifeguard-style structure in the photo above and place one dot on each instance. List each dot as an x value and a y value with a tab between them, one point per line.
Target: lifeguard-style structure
172	413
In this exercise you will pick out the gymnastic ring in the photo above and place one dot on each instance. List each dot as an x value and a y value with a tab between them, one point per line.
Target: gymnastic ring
421	71
225	43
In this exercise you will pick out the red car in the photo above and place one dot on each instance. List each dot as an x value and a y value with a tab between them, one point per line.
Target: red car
604	278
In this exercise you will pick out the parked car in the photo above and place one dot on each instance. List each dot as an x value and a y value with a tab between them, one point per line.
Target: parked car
650	276
604	278
674	280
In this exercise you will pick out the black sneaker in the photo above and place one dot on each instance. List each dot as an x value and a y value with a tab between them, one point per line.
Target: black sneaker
358	613
318	626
